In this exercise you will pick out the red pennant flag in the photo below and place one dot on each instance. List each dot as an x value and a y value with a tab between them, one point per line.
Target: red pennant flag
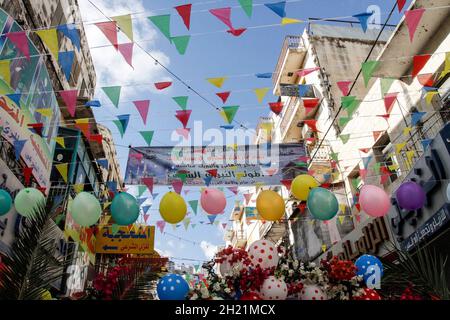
389	100
384	116
333	164
344	86
426	79
400	5
384	178
358	218
276	107
27	175
163	85
412	18
146	216
224	96
37	127
247	197
365	150
183	116
185	13
311	103
223	14
96	137
70	99
363	173
312	124
109	29
325	185
237	32
148	182
42	189
212	172
85	128
287	183
419	62
177	185
302	207
358	206
377	134
126	49
20	40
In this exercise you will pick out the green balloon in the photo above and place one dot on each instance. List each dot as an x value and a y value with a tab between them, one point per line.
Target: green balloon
322	204
85	209
5	202
124	209
27	201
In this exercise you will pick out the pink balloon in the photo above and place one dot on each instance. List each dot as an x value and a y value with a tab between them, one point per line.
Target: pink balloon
213	201
374	201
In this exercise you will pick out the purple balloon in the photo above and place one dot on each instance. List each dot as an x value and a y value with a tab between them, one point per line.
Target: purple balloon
410	196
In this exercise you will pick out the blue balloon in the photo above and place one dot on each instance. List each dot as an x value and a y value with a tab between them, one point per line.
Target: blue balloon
172	287
124	209
5	202
367	266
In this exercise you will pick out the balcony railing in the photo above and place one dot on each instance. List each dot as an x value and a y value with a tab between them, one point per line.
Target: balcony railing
321	154
290	109
290	43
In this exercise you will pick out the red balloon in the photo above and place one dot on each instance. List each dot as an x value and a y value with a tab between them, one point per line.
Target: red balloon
250	296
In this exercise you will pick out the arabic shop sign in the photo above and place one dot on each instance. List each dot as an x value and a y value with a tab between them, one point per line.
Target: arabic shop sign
432	172
125	240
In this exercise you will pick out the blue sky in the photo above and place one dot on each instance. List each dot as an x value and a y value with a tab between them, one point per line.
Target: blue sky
211	53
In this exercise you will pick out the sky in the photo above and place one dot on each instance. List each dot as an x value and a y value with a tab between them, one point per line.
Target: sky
211	53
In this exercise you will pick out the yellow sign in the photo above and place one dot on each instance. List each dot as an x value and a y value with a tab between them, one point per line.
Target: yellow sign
126	240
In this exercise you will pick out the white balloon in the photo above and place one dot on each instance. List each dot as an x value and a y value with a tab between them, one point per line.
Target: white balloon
274	289
263	253
312	292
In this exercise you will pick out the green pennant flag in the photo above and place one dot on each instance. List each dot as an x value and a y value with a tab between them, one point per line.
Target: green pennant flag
194	205
119	125
113	94
181	43
230	112
368	68
334	156
181	101
376	167
301	164
247	6
350	104
58	218
344	120
352	108
148	136
344	138
162	22
182	176
141	190
386	84
115	228
355	183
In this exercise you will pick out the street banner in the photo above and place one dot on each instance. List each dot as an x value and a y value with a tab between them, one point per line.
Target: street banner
218	165
125	240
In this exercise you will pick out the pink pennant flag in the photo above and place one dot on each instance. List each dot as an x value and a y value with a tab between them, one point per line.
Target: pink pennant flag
161	224
224	226
142	106
307	71
70	99
224	15
344	86
185	13
233	189
247	197
223	96
146	216
237	32
363	173
183	116
20	40
109	29
177	185
184	132
412	18
126	49
148	182
389	100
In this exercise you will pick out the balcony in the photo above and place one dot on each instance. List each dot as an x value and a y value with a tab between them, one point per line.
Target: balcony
290	60
321	155
239	239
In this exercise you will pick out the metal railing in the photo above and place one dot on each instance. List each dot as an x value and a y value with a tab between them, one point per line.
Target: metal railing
290	109
322	154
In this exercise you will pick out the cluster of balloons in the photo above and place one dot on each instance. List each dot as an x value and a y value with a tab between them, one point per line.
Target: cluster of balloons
172	287
26	201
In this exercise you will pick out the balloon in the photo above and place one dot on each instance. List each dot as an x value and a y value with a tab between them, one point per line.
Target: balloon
5	202
322	204
410	196
274	289
301	186
312	292
250	296
172	207
213	201
367	266
374	201
124	209
263	253
270	205
369	294
28	200
86	209
172	287
448	192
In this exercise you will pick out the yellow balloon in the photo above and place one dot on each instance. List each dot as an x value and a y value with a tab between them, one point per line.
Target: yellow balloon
172	207
270	205
301	186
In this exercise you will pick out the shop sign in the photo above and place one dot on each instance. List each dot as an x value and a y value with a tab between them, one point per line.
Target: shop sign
125	240
251	213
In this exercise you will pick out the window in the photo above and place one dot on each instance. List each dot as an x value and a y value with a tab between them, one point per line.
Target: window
384	152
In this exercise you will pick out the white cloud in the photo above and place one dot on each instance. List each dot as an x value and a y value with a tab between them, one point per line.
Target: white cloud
164	253
209	250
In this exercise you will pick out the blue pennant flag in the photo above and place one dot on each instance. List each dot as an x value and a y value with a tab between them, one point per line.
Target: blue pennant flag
211	218
227	126
366	161
416	117
429	89
278	8
154	195
112	185
141	201
426	143
363	19
71	32
207	180
326	176
146	208
303	89
124	119
267	75
15	97
103	163
65	59
93	104
18	147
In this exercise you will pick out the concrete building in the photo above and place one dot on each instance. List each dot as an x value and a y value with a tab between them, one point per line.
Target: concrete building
113	171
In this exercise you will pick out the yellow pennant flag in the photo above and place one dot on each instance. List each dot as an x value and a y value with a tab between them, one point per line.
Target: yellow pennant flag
50	38
79	187
105	219
341	219
324	247
286	21
399	147
409	155
342	207
261	93
106	205
223	115
406	131
218	82
5	71
429	96
239	175
393	167
82	121
60	141
47	112
125	24
335	175
446	65
62	169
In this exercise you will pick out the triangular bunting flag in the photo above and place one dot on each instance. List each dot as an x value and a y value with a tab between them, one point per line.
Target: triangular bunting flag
425	143
148	182
183	116
363	19
181	43
18	147
224	15
125	24
218	82
194	205
223	96
266	75
278	8
247	6
310	103
344	138
386	84
181	101
113	93
126	50
237	32
20	40
276	107
211	218
233	189
261	93
186	223
286	21
412	18
63	169
122	123
230	112
70	31
142	106
162	85
161	224
177	185
36	128
343	121
47	112
416	117
426	79
66	61
162	22
368	68
344	86
15	97
109	29
419	62
185	13
400	5
389	100
287	183
70	99
148	136
78	187
247	197
5	71
207	180
60	141
312	124
399	147
376	135
50	38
